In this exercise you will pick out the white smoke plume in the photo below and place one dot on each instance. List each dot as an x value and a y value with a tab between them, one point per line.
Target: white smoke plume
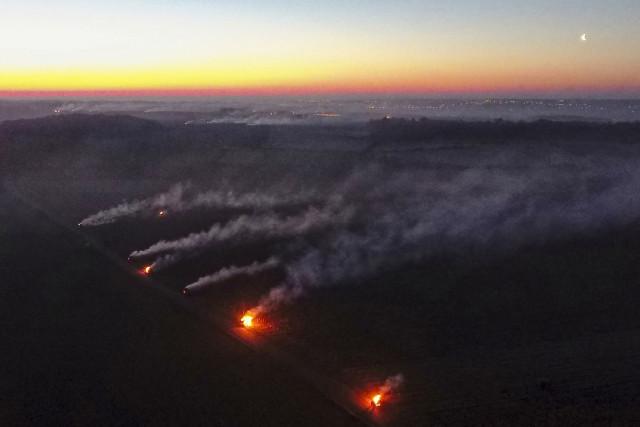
172	198
254	226
233	271
176	200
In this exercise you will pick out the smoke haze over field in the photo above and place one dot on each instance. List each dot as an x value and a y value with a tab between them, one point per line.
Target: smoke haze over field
314	109
408	207
469	212
375	204
327	110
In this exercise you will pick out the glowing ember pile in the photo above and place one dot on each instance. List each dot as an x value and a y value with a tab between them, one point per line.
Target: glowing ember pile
376	400
147	269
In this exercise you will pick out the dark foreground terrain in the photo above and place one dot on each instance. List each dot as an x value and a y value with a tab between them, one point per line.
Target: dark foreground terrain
522	312
85	343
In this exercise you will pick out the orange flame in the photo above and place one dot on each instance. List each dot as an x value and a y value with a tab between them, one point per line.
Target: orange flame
147	269
161	213
376	400
246	320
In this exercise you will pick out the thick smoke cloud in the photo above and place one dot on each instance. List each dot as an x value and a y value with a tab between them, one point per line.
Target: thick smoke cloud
227	273
466	212
253	227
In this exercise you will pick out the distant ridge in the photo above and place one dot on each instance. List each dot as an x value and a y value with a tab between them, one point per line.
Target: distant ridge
436	130
78	126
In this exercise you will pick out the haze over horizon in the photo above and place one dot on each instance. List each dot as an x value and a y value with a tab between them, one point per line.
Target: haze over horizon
463	47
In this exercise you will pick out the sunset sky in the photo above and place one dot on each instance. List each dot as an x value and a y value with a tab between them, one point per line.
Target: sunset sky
347	46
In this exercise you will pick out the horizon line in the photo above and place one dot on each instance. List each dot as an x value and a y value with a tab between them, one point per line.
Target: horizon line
576	92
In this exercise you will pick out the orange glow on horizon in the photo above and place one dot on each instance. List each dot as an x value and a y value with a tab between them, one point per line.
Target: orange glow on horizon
317	90
359	76
268	48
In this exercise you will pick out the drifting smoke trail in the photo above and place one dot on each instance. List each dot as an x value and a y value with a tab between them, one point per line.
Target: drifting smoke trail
245	200
232	271
165	261
246	227
391	385
172	198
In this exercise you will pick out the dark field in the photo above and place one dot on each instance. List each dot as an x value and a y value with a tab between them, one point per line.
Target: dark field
86	343
499	275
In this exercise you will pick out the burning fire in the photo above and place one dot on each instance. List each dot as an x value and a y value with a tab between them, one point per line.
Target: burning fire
161	213
254	320
246	320
376	400
147	269
387	390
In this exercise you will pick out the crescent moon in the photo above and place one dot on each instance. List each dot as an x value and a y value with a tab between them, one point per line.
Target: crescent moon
583	37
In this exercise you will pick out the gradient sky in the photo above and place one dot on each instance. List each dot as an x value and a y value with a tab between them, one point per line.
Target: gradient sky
287	46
